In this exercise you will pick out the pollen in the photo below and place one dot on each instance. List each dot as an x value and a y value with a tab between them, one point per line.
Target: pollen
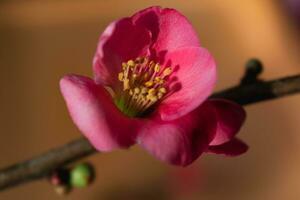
157	68
130	63
149	83
167	71
144	85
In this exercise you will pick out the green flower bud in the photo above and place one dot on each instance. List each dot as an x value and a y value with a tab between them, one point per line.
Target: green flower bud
81	175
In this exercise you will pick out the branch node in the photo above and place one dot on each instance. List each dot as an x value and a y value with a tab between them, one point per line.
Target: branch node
254	68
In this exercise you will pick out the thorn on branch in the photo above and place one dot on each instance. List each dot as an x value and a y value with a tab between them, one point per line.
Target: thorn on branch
254	68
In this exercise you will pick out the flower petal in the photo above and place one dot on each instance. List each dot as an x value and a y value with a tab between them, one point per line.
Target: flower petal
230	117
170	29
234	147
94	113
191	82
120	42
181	141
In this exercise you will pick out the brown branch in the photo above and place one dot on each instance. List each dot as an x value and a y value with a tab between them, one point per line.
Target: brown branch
249	91
45	163
261	90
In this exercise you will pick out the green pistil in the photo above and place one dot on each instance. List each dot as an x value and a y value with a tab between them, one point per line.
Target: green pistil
121	104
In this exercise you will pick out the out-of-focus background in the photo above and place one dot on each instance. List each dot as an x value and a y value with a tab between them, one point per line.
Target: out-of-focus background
41	40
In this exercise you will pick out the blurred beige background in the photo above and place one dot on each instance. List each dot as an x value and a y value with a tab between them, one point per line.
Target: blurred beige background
41	40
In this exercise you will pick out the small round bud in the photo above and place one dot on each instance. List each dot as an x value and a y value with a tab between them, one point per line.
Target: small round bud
81	175
254	66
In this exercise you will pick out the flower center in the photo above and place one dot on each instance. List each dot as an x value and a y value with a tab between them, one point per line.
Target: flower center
144	85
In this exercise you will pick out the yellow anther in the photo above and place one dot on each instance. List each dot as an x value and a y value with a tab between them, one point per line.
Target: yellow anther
149	97
126	85
124	65
153	98
157	68
152	91
149	83
134	76
121	76
144	90
159	80
130	63
160	95
163	90
151	64
130	92
143	85
167	71
137	90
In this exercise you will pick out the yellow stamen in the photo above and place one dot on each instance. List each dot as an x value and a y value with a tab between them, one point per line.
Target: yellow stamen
131	63
137	90
124	65
134	76
126	84
121	76
157	68
144	90
152	91
167	71
163	90
149	83
160	95
158	80
153	98
130	92
143	85
151	64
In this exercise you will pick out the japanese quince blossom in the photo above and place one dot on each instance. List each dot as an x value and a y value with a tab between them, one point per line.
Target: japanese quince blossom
151	85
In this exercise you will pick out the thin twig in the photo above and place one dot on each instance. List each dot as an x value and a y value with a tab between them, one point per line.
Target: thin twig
45	163
261	90
251	90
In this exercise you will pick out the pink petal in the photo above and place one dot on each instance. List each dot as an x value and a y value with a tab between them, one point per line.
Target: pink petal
180	141
94	113
191	82
170	29
230	117
120	42
234	147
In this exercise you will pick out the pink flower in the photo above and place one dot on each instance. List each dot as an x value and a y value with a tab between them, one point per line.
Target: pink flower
151	87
